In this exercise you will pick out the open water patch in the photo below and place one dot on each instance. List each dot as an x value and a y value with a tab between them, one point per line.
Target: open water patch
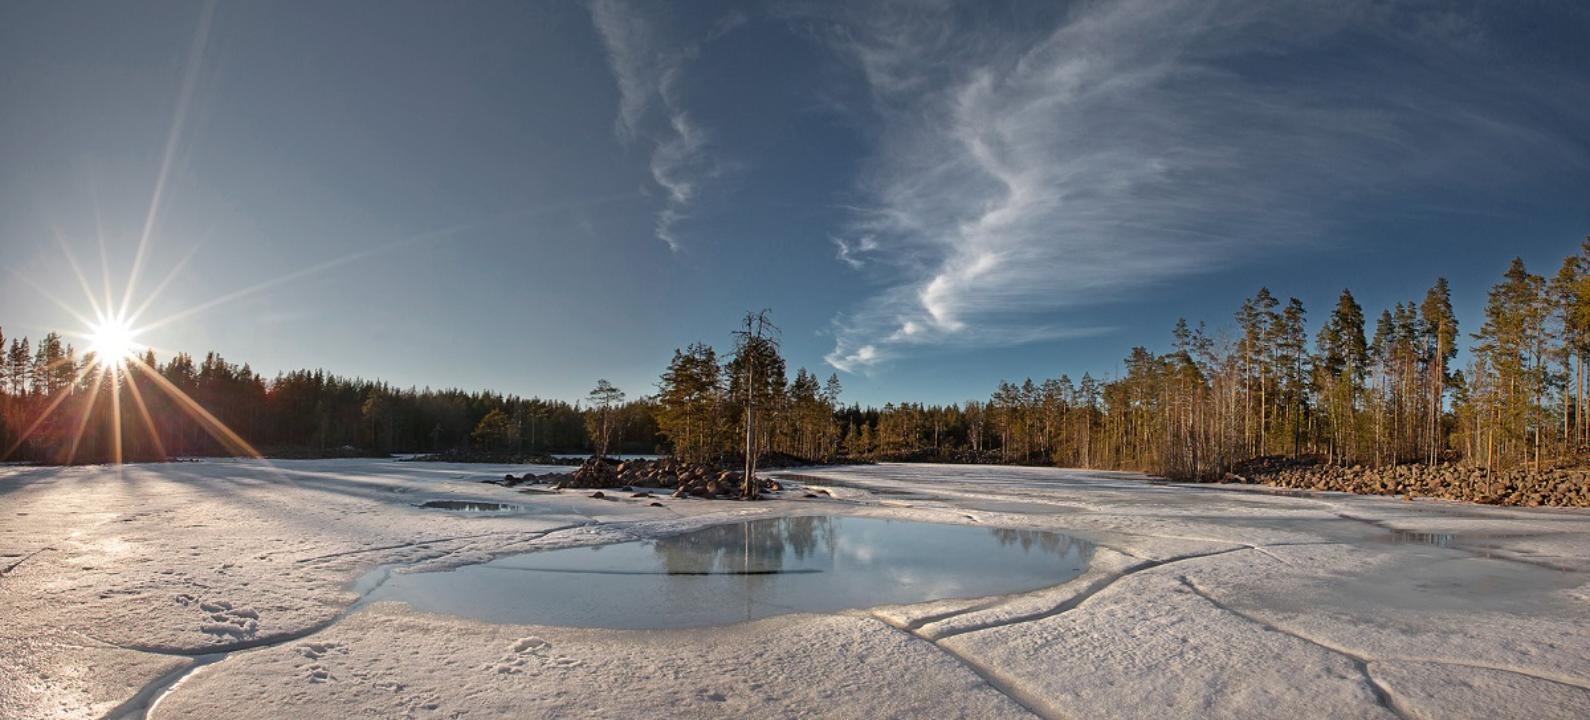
468	506
1453	539
744	571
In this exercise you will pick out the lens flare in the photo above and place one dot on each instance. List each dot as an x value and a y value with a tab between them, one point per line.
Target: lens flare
113	341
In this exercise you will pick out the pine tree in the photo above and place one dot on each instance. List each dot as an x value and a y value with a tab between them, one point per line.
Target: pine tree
831	430
492	432
1340	367
1570	298
19	367
602	417
756	375
690	404
1440	347
1291	362
1510	368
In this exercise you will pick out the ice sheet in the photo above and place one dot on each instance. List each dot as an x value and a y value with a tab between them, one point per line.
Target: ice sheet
1199	602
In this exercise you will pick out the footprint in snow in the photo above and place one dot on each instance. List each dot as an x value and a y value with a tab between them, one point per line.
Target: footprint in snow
314	650
530	644
224	621
526	649
226	629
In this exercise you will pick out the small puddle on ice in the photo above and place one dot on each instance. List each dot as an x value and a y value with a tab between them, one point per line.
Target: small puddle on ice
1447	512
902	494
467	506
1249	488
732	573
1449	540
1424	538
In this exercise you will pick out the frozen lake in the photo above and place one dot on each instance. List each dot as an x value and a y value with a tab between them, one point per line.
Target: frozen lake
232	589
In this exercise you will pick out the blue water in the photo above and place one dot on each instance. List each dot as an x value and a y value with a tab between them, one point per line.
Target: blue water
731	573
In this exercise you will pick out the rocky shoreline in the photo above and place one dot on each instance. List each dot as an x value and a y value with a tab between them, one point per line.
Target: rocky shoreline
1558	487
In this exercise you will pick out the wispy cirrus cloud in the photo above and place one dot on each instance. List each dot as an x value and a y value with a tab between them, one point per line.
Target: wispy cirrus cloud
649	69
631	51
1027	171
851	252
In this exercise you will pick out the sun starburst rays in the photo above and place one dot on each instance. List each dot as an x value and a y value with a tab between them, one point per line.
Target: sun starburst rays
115	360
113	341
114	364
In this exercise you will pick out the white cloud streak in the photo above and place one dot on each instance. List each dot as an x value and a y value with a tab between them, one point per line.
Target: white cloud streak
649	70
852	253
1025	175
630	49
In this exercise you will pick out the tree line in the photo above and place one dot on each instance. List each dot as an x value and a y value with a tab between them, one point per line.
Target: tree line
57	406
1347	391
1350	392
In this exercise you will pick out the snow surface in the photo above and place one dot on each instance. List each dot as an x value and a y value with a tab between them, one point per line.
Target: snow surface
233	579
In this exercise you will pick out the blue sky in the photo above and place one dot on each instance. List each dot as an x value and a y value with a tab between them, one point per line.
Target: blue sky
930	196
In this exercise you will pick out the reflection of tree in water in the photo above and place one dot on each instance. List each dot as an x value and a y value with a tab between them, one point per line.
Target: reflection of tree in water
804	532
759	546
1053	543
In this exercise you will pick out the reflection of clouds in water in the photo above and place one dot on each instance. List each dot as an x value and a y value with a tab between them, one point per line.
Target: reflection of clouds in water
854	551
772	565
801	564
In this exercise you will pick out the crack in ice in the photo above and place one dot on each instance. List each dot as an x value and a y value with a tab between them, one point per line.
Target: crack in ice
1382	694
1368	659
993	678
23	559
1094	588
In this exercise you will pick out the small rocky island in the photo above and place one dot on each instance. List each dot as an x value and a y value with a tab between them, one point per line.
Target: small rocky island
685	479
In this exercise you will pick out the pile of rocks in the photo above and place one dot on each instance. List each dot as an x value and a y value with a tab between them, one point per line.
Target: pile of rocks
685	479
511	480
1519	486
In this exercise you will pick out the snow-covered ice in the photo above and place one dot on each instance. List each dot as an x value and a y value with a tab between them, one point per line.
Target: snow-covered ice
233	579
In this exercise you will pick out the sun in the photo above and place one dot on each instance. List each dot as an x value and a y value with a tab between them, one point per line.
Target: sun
112	340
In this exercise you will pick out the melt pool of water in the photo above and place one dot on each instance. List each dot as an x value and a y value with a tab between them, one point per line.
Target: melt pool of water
468	506
745	571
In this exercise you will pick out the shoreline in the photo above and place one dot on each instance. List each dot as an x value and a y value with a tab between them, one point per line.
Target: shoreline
1518	487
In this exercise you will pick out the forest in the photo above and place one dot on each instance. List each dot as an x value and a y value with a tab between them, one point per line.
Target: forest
1351	391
